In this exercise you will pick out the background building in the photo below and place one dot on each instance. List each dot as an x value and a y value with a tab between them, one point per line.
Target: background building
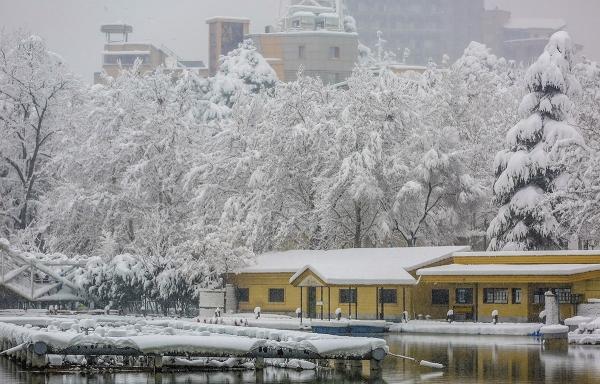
429	29
313	37
224	35
432	28
119	53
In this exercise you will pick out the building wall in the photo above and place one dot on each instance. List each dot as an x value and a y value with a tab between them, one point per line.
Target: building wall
224	35
526	311
365	308
316	59
157	57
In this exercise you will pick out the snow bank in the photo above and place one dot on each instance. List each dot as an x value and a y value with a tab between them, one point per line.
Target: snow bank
553	329
424	326
184	337
587	332
576	320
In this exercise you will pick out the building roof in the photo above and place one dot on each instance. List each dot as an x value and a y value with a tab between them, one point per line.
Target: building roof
119	53
535	23
364	261
566	253
508	270
358	272
227	19
192	63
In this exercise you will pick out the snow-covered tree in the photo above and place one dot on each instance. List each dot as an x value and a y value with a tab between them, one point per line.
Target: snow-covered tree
242	71
38	96
539	147
435	188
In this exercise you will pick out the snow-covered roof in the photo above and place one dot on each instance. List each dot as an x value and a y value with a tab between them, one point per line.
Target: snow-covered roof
364	261
310	8
318	32
535	23
119	53
228	18
358	272
304	14
567	253
508	270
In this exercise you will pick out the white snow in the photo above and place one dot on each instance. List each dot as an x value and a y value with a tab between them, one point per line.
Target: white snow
165	336
562	253
370	260
554	329
442	327
508	269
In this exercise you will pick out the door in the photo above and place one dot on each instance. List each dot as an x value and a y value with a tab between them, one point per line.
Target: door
312	302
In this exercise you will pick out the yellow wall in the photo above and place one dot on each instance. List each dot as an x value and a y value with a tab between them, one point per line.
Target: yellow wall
259	284
521	312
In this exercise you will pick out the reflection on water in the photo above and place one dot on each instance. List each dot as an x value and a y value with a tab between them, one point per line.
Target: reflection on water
469	359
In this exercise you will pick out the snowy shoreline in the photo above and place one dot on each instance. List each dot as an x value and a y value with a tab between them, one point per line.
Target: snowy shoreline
459	328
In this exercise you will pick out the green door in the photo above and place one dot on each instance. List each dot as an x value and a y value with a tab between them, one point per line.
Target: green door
312	302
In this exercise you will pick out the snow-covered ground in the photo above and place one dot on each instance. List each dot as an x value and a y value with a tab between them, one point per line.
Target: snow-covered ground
425	326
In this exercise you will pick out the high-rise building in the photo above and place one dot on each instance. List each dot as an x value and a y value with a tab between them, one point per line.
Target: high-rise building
224	35
424	29
312	36
120	53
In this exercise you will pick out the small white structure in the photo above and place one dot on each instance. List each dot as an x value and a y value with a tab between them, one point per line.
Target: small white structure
210	300
551	308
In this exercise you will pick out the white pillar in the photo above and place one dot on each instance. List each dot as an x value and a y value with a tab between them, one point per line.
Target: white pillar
552	309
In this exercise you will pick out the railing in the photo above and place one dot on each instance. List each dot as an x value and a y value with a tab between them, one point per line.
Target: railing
35	280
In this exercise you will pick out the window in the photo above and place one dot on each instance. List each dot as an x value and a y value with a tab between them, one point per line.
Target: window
464	295
388	296
516	295
495	295
301	52
334	52
348	296
563	295
276	295
243	295
296	23
440	297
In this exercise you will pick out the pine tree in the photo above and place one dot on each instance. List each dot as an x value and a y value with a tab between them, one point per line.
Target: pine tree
539	146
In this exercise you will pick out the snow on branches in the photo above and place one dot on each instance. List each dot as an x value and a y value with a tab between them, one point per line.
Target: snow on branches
539	147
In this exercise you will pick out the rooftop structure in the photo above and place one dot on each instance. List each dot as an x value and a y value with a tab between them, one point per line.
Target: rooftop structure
225	33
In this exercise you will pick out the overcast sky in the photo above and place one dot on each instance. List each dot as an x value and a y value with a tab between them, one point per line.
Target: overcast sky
72	27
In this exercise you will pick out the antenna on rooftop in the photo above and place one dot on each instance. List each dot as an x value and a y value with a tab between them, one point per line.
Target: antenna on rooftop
116	29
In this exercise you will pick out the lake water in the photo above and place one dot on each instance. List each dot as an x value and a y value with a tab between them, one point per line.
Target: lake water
468	359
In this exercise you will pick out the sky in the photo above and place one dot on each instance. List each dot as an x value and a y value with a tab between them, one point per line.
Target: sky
72	27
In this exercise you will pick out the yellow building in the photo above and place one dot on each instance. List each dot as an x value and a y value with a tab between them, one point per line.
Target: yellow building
428	281
513	283
363	283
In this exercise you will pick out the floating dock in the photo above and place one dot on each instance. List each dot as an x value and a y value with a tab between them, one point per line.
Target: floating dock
158	344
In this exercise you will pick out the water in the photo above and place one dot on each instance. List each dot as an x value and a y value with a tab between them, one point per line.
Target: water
469	359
